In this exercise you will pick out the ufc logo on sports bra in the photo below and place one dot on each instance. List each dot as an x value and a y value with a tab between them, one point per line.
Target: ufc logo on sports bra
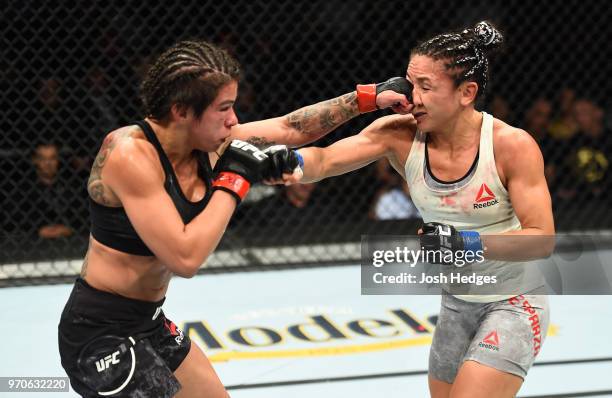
245	146
485	198
107	361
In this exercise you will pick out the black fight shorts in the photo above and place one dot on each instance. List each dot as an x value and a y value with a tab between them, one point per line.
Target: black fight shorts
114	346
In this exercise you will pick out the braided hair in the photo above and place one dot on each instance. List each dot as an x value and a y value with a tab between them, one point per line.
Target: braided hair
466	53
189	74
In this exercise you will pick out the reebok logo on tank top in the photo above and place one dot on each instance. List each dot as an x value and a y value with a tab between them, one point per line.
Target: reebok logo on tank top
485	198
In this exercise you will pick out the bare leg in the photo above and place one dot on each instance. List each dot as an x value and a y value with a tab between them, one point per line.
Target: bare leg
475	380
438	388
198	378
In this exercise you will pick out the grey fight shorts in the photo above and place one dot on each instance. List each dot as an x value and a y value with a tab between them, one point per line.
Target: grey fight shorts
506	335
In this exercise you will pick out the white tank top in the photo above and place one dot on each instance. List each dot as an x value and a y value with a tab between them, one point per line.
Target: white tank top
477	202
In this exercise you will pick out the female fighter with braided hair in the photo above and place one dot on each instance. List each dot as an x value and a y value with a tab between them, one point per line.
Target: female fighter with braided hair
469	174
161	197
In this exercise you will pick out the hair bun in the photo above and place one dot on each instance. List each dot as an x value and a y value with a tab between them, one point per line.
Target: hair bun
487	36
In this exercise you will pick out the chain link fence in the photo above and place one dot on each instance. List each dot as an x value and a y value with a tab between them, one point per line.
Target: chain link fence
70	72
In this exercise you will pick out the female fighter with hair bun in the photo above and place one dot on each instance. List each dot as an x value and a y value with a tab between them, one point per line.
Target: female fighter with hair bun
479	184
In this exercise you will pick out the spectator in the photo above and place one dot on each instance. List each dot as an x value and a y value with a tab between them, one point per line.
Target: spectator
592	150
537	123
564	126
537	119
395	204
586	172
298	195
291	206
50	210
392	199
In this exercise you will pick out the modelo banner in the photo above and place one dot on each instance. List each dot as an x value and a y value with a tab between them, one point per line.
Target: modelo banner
315	334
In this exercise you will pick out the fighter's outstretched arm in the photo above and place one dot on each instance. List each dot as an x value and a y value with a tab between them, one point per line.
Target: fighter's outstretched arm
374	142
344	156
310	123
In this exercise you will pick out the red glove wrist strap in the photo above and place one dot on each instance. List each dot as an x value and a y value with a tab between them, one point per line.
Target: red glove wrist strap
232	182
366	97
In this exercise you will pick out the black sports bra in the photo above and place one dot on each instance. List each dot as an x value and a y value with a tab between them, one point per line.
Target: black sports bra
111	225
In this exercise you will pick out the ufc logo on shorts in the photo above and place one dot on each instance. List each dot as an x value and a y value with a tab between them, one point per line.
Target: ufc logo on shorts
108	360
245	146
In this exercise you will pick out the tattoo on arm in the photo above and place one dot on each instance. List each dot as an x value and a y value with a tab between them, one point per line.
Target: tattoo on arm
321	118
260	142
95	187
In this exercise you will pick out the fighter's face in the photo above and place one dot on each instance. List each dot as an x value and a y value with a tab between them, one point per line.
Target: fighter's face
436	98
215	124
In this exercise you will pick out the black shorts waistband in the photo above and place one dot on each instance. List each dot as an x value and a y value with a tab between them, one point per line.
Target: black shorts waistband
100	304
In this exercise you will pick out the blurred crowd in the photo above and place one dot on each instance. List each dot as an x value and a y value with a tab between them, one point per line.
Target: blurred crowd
44	197
56	135
574	135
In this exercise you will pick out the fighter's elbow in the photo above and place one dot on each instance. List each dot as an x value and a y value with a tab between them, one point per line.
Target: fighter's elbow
548	246
544	244
185	265
186	269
